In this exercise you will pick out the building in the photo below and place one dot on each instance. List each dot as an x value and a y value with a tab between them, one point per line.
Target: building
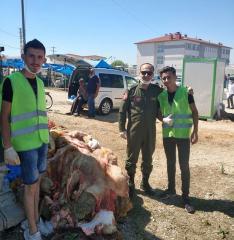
170	49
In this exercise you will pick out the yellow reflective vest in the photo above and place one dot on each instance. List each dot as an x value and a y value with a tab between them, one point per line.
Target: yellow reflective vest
29	122
181	114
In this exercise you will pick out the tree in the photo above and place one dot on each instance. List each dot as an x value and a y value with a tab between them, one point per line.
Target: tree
119	63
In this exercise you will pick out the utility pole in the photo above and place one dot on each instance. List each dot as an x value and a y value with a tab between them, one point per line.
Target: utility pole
53	51
21	41
1	72
23	22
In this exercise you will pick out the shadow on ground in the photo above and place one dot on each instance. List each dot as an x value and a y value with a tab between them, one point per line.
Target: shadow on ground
133	227
206	205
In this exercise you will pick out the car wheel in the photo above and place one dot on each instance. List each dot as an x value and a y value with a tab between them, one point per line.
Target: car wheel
105	107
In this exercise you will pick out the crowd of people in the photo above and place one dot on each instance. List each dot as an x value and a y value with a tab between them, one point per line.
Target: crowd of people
25	135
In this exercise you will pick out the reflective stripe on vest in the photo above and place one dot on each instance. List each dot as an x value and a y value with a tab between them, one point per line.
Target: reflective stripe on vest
28	130
29	115
178	125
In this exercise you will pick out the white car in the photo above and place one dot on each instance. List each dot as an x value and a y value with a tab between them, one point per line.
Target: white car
113	84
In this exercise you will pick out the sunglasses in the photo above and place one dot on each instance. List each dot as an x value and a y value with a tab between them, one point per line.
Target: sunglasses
147	72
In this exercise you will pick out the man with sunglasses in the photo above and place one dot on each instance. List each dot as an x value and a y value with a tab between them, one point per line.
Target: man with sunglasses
178	114
140	106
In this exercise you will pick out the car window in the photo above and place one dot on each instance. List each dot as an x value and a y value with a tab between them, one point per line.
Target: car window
111	80
130	81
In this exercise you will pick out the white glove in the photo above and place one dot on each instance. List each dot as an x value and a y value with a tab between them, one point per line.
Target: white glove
123	134
93	143
168	120
11	156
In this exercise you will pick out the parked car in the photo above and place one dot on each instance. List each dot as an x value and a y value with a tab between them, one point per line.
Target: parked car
113	84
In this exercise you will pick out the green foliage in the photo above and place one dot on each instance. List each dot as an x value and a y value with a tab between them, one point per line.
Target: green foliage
119	63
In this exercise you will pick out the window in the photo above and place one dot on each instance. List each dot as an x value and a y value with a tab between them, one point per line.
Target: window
130	81
160	60
111	80
160	48
188	46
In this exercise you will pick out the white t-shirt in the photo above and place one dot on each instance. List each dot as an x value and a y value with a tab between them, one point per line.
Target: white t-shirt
230	88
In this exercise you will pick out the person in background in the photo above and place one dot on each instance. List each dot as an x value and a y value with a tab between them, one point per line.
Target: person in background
25	130
92	91
81	96
230	94
178	113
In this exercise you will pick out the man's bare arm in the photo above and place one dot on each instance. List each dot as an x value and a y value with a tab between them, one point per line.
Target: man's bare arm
5	123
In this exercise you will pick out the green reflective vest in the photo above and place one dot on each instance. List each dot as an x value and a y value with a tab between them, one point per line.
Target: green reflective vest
29	122
181	114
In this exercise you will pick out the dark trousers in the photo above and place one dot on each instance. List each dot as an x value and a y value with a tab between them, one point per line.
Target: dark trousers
91	105
81	102
74	105
183	146
230	101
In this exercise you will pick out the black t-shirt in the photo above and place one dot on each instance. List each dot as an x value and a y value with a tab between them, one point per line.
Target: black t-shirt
92	84
172	95
7	92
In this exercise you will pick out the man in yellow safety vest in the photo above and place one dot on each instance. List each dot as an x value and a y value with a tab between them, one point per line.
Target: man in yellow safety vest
25	129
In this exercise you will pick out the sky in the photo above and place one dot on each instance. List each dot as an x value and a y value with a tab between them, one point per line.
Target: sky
110	28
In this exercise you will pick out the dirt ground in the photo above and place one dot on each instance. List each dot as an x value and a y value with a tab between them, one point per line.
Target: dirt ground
212	179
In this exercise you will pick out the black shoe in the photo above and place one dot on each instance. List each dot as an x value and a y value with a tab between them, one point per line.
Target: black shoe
145	186
187	205
168	194
189	208
68	113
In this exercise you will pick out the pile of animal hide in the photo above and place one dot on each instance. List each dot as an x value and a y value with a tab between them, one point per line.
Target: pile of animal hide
83	186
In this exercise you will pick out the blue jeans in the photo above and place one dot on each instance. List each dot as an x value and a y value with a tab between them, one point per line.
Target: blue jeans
91	105
33	163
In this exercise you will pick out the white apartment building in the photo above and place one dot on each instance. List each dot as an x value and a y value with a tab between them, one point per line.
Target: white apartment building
170	49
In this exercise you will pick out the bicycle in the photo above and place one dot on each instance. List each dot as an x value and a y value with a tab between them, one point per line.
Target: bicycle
49	100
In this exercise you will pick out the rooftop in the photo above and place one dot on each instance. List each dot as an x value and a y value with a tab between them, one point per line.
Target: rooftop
178	37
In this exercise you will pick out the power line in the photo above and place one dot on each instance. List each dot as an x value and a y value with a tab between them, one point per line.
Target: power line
4	44
8	33
133	16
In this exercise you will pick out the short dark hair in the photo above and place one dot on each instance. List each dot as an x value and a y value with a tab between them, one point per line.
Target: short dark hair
167	69
91	71
147	64
34	44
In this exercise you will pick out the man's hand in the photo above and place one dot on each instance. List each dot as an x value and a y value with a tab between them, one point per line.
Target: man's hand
168	120
11	156
194	137
123	134
190	90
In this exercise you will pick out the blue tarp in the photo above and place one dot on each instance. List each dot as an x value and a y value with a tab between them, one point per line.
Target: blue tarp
64	69
19	64
14	63
98	64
